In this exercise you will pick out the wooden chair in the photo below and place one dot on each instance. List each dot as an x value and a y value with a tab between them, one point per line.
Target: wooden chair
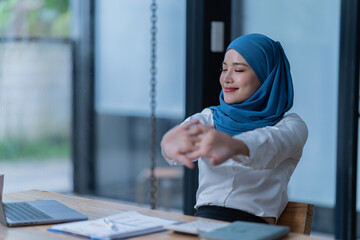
298	216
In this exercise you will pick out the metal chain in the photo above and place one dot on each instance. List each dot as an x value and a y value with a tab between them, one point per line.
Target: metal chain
153	71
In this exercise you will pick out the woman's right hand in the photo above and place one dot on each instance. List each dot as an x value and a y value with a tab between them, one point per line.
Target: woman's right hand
179	141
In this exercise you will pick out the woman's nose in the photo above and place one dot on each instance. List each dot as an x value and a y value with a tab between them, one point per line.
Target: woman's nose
228	78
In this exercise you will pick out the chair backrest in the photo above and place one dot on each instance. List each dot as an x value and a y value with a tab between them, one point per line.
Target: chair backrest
298	216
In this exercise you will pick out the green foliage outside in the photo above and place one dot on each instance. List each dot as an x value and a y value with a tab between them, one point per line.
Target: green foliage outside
35	18
44	149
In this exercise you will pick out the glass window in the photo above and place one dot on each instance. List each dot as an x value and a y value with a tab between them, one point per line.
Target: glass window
35	95
122	69
309	34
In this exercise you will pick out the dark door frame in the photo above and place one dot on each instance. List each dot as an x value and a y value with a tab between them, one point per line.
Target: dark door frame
202	69
348	117
83	149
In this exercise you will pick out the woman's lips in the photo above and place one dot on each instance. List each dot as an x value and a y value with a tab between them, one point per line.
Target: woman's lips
230	89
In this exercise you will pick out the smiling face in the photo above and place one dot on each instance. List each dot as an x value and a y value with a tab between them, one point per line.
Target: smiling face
238	80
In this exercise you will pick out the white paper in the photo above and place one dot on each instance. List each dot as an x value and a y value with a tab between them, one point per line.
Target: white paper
113	226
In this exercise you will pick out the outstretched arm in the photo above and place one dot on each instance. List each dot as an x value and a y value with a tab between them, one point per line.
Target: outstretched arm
179	141
270	146
216	145
262	148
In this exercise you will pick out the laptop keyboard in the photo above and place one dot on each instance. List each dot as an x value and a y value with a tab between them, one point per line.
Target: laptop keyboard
22	211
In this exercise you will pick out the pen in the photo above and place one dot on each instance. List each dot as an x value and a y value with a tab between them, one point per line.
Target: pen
111	224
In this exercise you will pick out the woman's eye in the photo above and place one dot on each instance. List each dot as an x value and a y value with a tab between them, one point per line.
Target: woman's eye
239	70
223	69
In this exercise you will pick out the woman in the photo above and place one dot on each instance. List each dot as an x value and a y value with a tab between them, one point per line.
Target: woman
247	148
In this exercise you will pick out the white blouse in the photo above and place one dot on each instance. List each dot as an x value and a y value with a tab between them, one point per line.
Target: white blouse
256	184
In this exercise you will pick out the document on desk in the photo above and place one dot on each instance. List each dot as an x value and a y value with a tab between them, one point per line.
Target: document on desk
120	226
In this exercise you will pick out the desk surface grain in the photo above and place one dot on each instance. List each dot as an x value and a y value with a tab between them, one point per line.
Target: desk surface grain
93	209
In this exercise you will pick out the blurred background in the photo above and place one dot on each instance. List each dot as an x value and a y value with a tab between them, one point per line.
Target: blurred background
75	94
35	94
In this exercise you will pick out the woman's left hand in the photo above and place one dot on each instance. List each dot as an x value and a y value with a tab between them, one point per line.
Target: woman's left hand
217	146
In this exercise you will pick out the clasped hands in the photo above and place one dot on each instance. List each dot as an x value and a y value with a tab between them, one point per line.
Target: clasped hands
192	140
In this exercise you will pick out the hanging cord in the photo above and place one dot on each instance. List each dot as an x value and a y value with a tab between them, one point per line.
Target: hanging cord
153	71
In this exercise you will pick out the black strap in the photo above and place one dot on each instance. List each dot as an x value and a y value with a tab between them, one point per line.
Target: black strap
227	214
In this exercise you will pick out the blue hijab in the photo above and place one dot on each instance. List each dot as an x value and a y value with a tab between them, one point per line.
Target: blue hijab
269	103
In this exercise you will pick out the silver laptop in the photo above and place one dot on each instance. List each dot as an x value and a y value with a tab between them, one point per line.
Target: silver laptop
35	212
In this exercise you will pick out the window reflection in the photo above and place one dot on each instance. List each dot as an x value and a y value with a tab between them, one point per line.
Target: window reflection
123	97
35	95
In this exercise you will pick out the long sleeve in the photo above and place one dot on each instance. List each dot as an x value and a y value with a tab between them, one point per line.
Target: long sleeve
270	146
205	117
258	183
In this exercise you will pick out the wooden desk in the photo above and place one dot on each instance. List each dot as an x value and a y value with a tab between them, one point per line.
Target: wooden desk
93	209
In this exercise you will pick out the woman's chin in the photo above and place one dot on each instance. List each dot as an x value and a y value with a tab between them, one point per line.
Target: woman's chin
229	101
232	101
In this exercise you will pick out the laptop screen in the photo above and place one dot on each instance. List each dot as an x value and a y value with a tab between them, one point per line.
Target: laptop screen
1	185
2	212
